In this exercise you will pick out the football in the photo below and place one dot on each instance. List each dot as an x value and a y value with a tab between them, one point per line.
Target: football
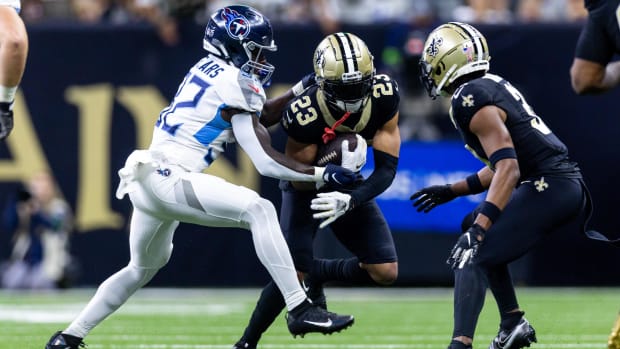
331	153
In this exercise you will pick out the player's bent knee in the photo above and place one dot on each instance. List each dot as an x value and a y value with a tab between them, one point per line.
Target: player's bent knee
383	274
154	261
14	41
141	275
260	209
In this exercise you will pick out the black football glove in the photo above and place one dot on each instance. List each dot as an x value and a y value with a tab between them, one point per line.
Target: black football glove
432	196
466	247
6	123
304	83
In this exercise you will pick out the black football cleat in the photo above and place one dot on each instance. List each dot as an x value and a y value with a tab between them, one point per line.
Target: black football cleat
6	123
307	318
64	341
242	345
520	336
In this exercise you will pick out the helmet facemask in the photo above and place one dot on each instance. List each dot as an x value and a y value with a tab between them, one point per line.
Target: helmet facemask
257	63
350	94
344	71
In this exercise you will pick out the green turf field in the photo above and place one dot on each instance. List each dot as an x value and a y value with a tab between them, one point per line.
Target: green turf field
391	318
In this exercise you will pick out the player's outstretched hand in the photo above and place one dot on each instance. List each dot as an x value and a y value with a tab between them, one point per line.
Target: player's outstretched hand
304	83
429	197
338	176
466	247
6	124
330	206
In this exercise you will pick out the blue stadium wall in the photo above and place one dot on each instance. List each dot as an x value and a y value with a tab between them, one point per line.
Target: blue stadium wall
91	94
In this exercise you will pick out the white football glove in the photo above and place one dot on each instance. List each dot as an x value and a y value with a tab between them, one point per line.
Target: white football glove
331	206
354	160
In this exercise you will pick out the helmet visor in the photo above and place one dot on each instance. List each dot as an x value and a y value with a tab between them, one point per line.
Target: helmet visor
351	91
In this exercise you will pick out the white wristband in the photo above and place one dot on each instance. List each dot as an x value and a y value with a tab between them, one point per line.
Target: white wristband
318	173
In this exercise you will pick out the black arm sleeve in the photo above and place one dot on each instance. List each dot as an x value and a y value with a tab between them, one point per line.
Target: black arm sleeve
379	180
594	43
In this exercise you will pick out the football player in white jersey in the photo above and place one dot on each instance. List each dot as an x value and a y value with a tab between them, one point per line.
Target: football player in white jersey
218	102
13	52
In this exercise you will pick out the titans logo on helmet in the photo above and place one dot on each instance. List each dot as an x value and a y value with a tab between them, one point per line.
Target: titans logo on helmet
237	26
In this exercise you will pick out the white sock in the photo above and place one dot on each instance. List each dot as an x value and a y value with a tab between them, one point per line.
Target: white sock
7	94
112	293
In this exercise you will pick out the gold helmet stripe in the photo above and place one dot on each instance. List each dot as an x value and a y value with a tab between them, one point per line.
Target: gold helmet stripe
348	52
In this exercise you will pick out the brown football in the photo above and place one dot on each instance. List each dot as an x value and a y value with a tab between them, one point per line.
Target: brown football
331	153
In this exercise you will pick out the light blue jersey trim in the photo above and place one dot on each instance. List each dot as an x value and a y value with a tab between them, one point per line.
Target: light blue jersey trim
213	128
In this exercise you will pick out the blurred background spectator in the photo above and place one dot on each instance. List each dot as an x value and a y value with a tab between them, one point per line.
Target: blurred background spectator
328	14
408	20
41	223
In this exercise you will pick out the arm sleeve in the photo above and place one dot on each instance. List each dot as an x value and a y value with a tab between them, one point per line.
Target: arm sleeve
594	44
267	161
380	179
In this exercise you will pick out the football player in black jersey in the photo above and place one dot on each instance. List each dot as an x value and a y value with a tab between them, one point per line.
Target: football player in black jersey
592	70
348	97
532	186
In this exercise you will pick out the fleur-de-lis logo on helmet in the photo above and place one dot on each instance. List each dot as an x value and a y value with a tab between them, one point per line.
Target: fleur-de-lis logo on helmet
452	50
319	58
237	26
433	47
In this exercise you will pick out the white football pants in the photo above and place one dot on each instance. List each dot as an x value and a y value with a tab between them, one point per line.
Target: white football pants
162	197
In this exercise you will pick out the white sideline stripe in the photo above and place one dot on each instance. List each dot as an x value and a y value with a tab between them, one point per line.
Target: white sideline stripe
67	312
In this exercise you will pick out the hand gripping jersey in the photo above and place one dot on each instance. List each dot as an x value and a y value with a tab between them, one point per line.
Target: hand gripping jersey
309	114
190	132
539	151
16	4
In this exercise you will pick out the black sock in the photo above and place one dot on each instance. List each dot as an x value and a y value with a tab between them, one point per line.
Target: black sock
510	320
500	283
469	293
348	270
314	290
454	344
267	309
